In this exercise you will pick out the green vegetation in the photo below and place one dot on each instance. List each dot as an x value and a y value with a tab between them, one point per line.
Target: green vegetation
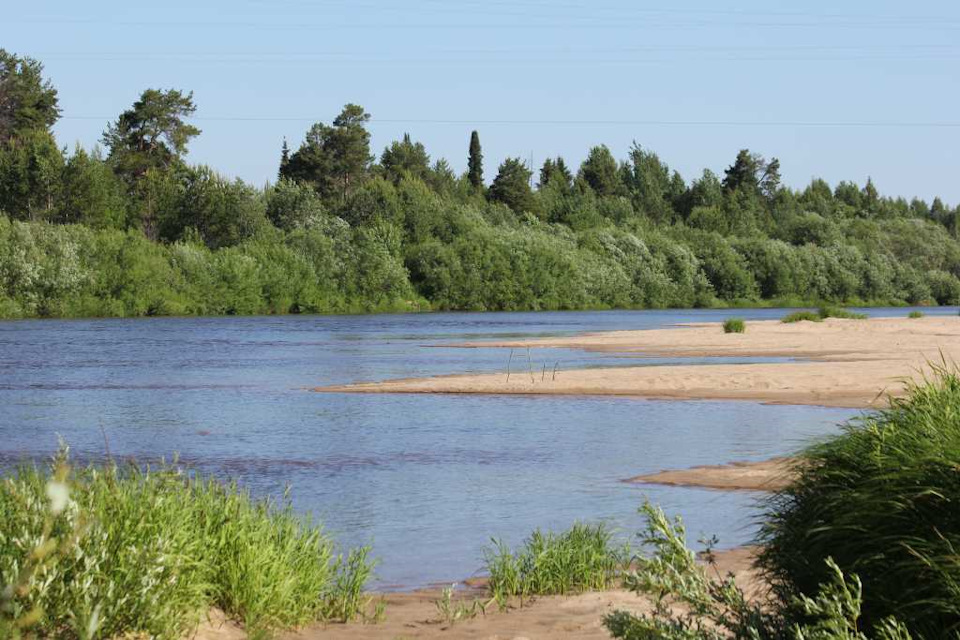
584	558
881	501
715	608
112	551
734	325
843	314
802	316
134	230
915	315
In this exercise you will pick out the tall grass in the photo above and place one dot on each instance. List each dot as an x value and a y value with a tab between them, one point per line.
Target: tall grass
837	312
883	500
583	558
734	325
801	316
150	551
914	315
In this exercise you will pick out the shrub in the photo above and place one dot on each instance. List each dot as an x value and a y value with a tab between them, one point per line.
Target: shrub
800	316
881	500
734	325
715	608
581	559
915	314
843	314
124	551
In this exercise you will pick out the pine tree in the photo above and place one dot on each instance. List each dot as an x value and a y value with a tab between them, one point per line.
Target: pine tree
284	159
475	162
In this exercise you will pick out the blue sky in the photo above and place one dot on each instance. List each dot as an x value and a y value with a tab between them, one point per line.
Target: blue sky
694	80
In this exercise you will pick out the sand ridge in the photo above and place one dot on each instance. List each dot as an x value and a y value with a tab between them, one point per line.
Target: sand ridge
845	363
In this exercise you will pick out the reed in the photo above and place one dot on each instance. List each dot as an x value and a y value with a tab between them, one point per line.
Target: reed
584	558
110	551
881	500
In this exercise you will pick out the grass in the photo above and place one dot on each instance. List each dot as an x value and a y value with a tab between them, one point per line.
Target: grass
110	551
881	501
802	316
822	314
584	558
734	325
693	601
915	315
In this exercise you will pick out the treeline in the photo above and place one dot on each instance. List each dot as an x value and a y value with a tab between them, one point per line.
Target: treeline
133	229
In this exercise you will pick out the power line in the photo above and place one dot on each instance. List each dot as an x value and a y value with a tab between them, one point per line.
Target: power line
572	122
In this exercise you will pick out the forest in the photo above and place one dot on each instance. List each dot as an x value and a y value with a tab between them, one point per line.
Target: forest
131	228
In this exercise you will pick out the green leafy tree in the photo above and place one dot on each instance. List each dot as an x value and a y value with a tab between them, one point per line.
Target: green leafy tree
512	186
336	159
601	172
30	168
27	100
91	193
405	158
652	189
475	162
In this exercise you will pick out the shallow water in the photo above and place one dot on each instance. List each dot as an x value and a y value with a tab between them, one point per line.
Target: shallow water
426	479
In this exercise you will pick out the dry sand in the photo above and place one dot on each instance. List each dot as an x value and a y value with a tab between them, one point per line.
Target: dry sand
414	615
769	475
846	363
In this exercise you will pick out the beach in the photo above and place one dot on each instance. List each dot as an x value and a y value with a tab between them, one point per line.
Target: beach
842	363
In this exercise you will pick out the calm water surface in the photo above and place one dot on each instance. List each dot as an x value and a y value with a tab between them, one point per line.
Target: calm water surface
426	479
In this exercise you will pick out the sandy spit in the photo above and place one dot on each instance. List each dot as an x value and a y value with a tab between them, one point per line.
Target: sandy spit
414	615
768	475
845	363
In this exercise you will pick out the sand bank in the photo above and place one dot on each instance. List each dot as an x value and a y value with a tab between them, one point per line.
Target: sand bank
769	475
846	363
414	615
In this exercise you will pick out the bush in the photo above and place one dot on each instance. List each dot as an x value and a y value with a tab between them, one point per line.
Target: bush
801	316
117	552
734	325
843	314
881	500
713	607
915	314
583	558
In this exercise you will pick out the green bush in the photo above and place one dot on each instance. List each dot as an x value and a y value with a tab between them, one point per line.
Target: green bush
734	325
843	314
915	314
881	500
581	559
802	316
714	607
115	550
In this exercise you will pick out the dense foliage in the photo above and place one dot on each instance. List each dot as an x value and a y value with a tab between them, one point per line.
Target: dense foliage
882	501
136	230
114	552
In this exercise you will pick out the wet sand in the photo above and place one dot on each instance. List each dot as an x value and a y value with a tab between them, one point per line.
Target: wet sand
845	363
414	615
768	475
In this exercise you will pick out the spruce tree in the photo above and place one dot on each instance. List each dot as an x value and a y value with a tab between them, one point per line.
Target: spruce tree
475	162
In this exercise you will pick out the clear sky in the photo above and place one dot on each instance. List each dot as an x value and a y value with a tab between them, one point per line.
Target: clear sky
694	80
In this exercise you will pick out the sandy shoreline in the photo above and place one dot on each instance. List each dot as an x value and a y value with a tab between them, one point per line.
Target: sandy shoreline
768	475
414	615
847	363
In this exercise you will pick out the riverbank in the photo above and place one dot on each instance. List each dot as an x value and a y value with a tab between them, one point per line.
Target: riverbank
842	363
415	614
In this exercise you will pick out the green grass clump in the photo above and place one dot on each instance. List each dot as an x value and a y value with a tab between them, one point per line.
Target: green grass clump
915	314
801	316
882	501
113	551
584	558
734	325
837	312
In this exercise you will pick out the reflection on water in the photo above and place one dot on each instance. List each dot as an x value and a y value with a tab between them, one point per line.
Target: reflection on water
426	479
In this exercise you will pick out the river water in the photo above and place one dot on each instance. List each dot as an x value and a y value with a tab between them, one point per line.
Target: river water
427	480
